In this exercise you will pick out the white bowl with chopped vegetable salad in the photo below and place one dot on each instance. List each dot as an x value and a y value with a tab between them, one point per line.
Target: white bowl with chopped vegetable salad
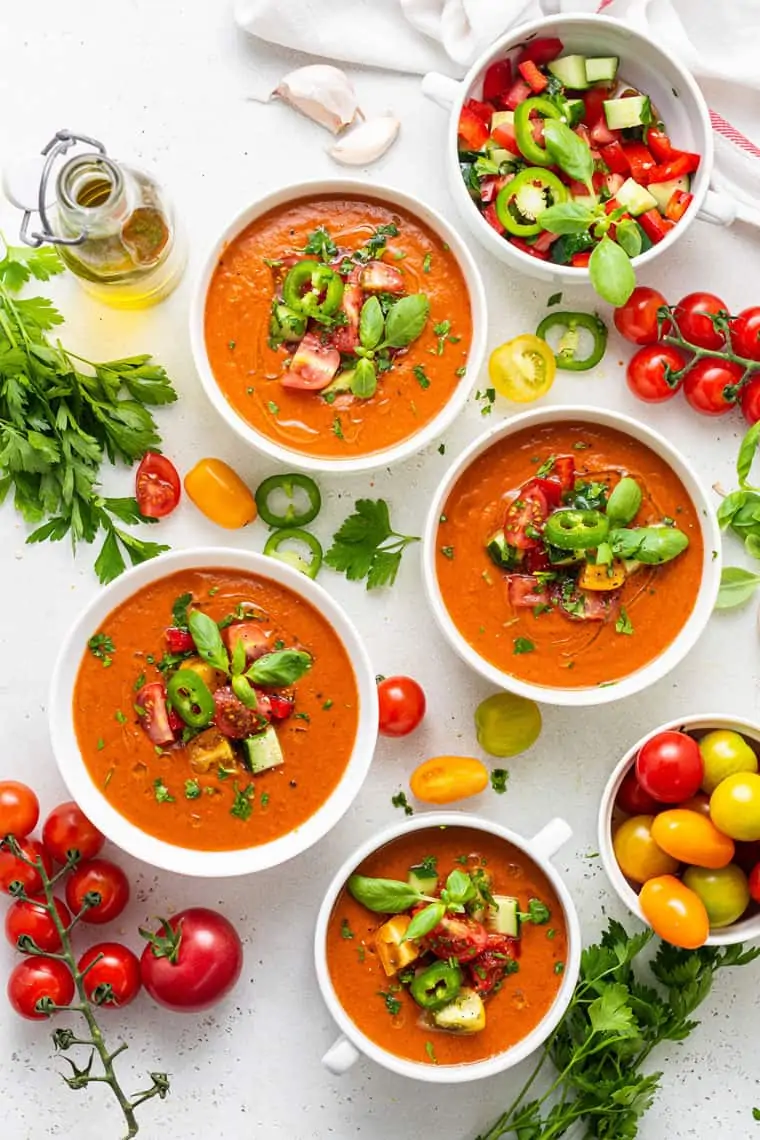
615	137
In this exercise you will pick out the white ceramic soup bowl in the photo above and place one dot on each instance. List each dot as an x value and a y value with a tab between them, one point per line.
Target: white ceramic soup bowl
182	860
711	564
353	1043
430	431
744	930
642	64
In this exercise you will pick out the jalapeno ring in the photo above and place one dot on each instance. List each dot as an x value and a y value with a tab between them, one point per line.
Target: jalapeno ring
292	515
437	986
313	289
571	529
191	698
295	534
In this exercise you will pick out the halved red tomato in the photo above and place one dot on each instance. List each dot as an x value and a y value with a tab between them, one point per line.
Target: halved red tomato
551	488
524	592
154	717
525	518
461	938
536	561
232	718
498	79
157	486
489	969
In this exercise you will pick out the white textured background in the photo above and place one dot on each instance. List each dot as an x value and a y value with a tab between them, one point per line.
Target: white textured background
166	83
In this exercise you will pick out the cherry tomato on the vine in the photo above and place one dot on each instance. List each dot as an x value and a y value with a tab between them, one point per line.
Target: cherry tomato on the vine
98	876
745	333
19	809
66	829
693	315
28	917
750	401
37	978
649	374
632	799
114	980
402	705
706	384
13	869
636	320
157	486
670	767
192	961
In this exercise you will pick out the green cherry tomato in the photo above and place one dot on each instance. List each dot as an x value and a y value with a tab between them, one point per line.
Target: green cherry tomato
725	892
724	753
735	806
507	724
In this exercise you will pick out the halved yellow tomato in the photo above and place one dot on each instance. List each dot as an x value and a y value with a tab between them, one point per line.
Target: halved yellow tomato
444	779
522	369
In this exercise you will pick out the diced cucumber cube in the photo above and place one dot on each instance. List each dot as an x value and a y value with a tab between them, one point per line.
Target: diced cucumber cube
262	751
423	878
634	198
663	191
602	68
622	114
571	71
505	920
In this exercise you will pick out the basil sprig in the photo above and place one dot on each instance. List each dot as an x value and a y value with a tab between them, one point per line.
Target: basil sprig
392	896
651	545
404	322
624	502
208	640
569	151
611	272
282	667
610	266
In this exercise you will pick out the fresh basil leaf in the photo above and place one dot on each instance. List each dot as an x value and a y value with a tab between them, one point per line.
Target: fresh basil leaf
628	235
243	691
364	379
569	151
459	888
651	545
238	657
746	455
424	921
208	640
566	218
736	587
405	321
624	502
611	272
282	667
371	323
752	545
385	896
179	610
732	504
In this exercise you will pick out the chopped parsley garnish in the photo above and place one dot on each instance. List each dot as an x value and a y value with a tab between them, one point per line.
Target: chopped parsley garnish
223	773
537	913
623	623
523	645
321	244
192	789
345	929
421	376
499	777
544	608
461	370
120	717
243	803
442	331
140	681
328	704
100	744
486	397
302	716
461	859
447	552
367	546
554	300
441	448
264	799
376	242
546	467
400	801
337	428
559	967
162	793
360	953
430	1050
392	1004
427	263
179	610
101	646
274	408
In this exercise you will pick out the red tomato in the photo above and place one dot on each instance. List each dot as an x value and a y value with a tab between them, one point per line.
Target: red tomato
179	640
650	370
19	809
461	938
192	961
632	799
670	767
564	470
154	717
28	918
36	979
750	401
489	969
550	488
157	486
526	592
498	79
754	883
705	386
97	877
745	333
402	705
593	101
636	320
541	50
13	869
525	513
693	317
115	979
232	718
66	829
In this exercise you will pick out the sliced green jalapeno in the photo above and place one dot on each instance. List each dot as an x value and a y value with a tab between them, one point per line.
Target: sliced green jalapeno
293	515
437	986
191	698
531	150
521	201
576	530
566	352
294	534
313	289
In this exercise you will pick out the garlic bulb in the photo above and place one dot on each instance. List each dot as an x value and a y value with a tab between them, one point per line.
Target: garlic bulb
322	93
367	142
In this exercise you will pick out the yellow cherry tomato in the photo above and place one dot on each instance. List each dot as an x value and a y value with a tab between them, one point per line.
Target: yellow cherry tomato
522	369
724	753
638	856
507	724
220	494
725	892
445	779
691	837
735	806
676	913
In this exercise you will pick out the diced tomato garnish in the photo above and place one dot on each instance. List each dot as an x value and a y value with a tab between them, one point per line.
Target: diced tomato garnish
660	146
154	715
564	470
488	970
490	187
544	241
598	180
529	249
640	161
602	135
678	205
536	561
582	131
518	93
456	937
176	723
542	50
537	130
504	136
492	218
233	719
578	189
178	640
379	277
614	157
612	183
526	512
581	260
346	337
281	707
255	641
681	163
472	130
654	225
551	488
593	101
524	591
498	79
536	79
595	605
313	365
482	110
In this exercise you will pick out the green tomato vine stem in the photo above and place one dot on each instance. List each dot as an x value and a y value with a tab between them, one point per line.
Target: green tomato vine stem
721	322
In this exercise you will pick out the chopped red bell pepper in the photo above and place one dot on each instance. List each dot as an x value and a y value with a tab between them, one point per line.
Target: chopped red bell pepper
581	260
544	241
682	162
536	79
659	144
492	218
614	157
640	160
601	134
490	187
504	135
178	640
518	93
654	225
484	111
593	101
529	249
563	469
542	50
472	130
498	79
678	204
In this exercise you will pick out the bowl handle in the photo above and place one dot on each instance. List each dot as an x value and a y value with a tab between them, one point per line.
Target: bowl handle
442	89
550	838
722	210
340	1057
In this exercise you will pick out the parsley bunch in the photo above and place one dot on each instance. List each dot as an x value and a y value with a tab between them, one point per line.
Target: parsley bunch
367	546
613	1023
61	415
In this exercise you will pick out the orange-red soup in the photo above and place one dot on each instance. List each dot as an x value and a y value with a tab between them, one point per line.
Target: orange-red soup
360	981
317	742
248	371
567	654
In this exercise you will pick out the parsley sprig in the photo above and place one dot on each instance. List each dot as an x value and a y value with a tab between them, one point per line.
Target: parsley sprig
62	415
367	546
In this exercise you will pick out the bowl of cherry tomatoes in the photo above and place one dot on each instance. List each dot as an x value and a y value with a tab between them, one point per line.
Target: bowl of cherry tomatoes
679	830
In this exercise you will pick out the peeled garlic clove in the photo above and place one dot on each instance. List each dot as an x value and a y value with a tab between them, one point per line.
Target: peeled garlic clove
322	93
367	142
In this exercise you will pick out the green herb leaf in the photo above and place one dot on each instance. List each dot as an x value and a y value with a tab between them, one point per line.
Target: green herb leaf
162	793
371	323
400	801
566	218
283	667
242	805
192	789
459	889
628	236
538	912
746	456
611	1012
499	778
405	320
424	921
364	380
736	587
366	546
523	645
321	244
101	646
623	623
569	151
651	545
421	376
624	502
384	896
345	930
243	691
611	272
179	611
208	640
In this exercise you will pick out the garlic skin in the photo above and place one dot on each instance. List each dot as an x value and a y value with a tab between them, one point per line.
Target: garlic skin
367	142
322	93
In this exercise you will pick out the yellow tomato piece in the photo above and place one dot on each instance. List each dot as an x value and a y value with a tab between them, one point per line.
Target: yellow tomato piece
393	953
220	494
522	369
676	913
602	576
445	779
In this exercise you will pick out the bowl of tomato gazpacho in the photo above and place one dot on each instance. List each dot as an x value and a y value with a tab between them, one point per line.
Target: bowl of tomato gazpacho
447	948
571	555
339	327
214	712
